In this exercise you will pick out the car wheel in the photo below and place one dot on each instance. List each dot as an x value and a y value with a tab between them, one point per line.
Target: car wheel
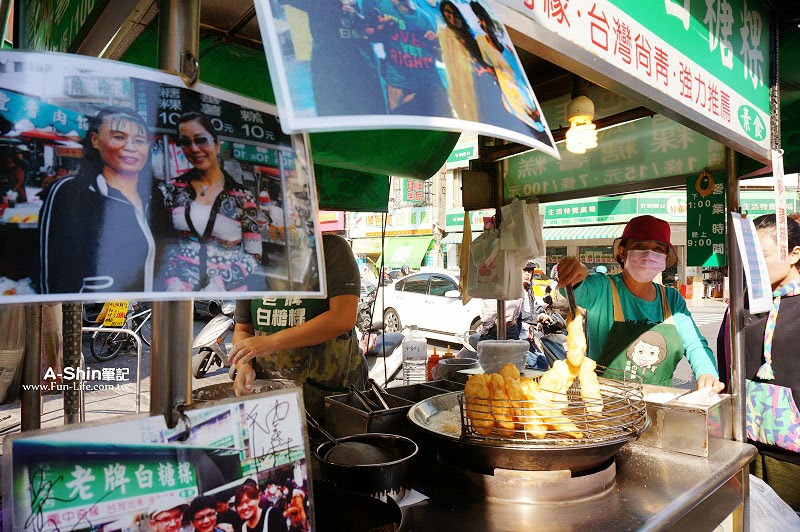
391	321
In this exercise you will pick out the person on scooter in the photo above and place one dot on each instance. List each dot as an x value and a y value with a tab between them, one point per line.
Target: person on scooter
312	341
531	312
635	325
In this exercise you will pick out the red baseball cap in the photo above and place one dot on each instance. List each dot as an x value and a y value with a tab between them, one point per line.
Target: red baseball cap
647	228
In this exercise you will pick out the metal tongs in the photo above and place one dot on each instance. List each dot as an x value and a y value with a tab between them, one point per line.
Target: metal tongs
573	310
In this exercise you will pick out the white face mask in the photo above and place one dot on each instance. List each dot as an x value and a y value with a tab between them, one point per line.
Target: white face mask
644	265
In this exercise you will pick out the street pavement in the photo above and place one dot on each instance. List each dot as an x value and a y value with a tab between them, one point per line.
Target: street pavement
108	398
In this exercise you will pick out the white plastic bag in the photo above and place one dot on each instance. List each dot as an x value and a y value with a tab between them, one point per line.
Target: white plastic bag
487	267
768	512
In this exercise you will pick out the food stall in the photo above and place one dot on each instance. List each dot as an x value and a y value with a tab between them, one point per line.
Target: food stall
651	488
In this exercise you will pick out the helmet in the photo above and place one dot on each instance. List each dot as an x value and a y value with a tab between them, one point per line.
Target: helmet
405	270
601	269
531	265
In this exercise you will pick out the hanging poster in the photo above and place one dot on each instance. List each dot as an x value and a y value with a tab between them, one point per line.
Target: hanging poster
251	456
374	64
759	290
705	220
164	191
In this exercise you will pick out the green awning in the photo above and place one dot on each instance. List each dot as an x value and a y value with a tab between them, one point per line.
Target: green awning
406	251
457	238
367	246
595	232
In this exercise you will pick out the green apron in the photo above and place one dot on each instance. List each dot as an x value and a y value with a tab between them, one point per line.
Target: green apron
323	369
648	351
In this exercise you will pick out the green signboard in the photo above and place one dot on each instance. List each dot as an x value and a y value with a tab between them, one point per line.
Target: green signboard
647	149
413	190
706	218
58	25
669	205
462	154
253	154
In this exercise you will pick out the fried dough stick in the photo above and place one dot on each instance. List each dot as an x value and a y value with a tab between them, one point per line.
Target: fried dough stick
523	393
476	395
576	342
501	407
590	386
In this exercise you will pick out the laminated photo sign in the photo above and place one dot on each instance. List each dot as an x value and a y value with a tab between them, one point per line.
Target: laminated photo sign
120	183
138	474
376	64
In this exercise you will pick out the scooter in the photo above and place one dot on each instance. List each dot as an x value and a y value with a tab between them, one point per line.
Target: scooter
210	342
384	359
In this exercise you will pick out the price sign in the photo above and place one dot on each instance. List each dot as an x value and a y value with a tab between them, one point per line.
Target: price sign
114	313
705	220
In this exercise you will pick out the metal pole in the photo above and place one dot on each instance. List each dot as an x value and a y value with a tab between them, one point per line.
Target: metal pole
736	291
71	314
31	399
171	349
498	195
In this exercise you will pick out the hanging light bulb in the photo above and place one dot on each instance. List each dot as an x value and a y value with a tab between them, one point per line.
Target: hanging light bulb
582	134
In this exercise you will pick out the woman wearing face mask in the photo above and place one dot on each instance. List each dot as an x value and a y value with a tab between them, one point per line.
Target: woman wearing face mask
624	307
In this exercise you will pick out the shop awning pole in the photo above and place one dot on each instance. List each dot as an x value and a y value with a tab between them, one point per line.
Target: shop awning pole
31	398
171	351
736	291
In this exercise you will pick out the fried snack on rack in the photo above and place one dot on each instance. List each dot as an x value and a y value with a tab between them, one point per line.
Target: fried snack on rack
501	407
476	396
576	342
563	424
557	379
524	412
590	386
509	370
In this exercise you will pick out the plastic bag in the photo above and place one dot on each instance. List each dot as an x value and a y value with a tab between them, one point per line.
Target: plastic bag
768	512
487	277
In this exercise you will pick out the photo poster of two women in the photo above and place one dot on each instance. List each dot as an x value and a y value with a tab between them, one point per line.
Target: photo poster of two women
141	188
373	64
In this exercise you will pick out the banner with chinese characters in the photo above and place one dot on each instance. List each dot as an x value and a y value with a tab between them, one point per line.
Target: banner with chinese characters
164	191
708	61
379	64
137	474
706	218
413	190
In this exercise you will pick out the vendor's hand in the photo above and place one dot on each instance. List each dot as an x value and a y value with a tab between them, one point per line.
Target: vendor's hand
710	381
250	348
571	272
245	377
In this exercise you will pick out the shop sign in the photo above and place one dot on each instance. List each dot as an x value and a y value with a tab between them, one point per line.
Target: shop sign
380	65
331	220
464	151
705	220
755	203
616	209
399	222
454	219
253	154
27	113
707	60
110	476
413	190
91	249
58	28
644	150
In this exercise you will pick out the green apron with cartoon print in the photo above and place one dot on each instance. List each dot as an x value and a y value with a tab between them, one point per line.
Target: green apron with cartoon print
647	351
323	369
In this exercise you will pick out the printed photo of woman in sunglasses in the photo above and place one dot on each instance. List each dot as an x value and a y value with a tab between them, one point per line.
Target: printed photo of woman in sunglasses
217	242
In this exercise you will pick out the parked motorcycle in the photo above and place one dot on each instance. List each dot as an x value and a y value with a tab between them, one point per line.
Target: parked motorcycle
210	342
384	359
550	336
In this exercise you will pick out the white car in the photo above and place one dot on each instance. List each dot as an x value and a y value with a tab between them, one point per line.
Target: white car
431	300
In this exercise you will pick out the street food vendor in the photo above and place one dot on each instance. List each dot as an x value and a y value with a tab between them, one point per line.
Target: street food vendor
311	341
635	325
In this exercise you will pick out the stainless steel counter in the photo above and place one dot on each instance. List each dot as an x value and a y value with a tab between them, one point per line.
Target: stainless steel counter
655	489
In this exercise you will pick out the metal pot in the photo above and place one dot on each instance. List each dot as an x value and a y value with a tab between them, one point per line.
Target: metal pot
390	479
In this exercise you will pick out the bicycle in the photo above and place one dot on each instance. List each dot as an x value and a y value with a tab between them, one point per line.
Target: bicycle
107	345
